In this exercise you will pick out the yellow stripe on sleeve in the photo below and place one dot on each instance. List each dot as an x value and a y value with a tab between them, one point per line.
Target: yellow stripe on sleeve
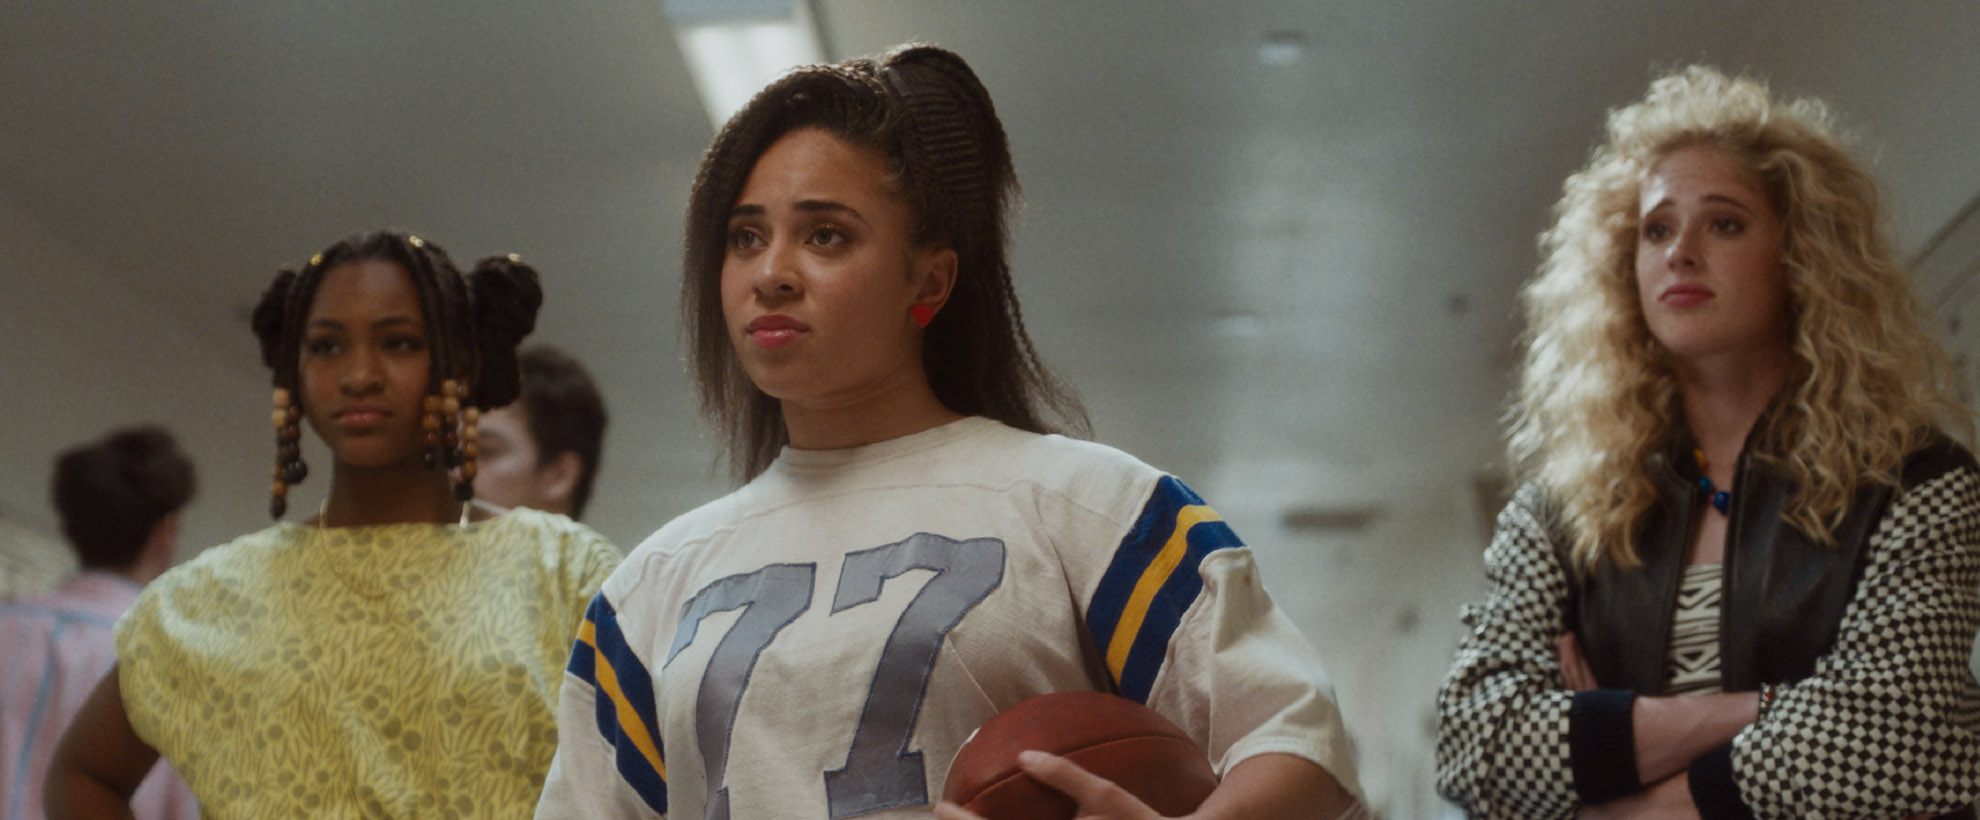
1151	582
608	682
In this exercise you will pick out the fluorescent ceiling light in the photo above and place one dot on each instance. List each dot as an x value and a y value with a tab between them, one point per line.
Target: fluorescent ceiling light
1282	48
736	47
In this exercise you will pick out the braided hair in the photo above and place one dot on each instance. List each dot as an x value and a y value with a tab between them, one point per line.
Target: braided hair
474	322
925	112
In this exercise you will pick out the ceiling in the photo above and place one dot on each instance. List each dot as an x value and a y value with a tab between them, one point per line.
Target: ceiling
1292	285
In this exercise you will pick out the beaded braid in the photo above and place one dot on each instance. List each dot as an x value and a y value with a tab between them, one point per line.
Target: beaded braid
280	351
439	285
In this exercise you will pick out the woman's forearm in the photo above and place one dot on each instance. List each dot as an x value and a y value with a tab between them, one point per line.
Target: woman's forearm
1268	785
100	760
71	794
1671	732
1279	785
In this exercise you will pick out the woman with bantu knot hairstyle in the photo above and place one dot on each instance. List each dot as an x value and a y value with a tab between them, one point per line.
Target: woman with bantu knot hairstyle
915	548
399	652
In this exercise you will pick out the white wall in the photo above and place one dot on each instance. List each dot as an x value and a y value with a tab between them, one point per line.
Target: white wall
1903	75
83	357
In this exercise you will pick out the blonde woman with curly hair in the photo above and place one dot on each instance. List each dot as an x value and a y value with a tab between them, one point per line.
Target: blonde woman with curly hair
1738	578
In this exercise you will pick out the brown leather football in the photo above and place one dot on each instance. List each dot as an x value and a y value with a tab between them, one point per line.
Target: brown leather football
1113	737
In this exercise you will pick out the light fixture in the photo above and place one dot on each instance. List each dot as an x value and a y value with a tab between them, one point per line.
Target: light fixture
1282	48
736	47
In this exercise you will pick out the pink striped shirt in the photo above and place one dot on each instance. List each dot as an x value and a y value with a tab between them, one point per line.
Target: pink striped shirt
54	648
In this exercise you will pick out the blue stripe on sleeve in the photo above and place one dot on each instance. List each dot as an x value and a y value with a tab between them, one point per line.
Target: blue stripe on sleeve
624	701
1151	582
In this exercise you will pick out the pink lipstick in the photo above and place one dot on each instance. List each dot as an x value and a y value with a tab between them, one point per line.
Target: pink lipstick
774	331
1684	296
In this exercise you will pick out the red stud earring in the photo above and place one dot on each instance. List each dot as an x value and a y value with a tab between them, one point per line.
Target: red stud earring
921	314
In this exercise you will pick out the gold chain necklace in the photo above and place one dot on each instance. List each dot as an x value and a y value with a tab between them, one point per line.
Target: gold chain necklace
345	577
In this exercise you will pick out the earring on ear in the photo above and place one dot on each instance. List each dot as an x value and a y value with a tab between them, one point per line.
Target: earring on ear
289	466
921	314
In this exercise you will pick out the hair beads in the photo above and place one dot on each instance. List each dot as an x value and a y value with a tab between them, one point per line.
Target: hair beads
289	467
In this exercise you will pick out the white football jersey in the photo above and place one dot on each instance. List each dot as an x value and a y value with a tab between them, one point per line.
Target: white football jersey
821	641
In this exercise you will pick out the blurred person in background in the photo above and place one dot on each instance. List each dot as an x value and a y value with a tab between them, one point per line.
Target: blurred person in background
119	500
542	450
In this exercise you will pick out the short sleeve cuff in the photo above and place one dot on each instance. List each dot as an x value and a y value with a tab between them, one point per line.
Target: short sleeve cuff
1602	744
1713	789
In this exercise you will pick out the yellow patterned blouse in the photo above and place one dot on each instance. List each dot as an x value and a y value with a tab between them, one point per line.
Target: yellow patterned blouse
406	670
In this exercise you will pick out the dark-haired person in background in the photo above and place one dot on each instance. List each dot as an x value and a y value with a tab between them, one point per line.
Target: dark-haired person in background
119	499
398	654
542	451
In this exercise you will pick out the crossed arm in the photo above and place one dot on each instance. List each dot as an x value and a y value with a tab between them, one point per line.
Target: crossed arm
1668	734
1825	748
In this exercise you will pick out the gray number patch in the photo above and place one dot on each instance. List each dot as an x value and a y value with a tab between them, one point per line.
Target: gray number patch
770	598
880	772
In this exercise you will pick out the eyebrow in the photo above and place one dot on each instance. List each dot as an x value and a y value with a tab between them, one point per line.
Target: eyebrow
1719	198
382	324
809	206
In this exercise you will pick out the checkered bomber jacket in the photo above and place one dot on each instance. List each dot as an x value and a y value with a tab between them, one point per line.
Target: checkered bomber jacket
1882	718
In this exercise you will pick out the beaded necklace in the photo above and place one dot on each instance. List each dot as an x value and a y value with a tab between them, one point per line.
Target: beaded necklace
1721	499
